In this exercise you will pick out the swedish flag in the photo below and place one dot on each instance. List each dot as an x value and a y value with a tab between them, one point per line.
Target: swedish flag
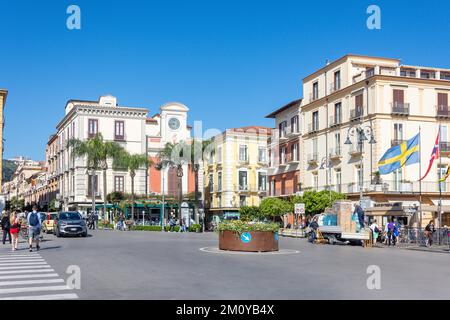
405	154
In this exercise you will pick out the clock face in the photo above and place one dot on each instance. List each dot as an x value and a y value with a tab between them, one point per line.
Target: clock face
174	123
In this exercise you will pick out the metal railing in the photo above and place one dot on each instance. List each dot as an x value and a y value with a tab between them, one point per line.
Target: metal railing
356	113
356	149
335	152
444	146
443	111
400	108
397	142
335	120
313	157
335	86
313	127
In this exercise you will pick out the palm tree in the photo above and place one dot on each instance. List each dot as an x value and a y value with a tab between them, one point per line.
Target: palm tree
97	151
132	163
198	147
174	156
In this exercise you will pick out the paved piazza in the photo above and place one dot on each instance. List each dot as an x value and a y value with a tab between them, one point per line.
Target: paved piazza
150	265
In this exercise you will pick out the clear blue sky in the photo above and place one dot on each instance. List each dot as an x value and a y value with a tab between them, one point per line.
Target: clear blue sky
231	62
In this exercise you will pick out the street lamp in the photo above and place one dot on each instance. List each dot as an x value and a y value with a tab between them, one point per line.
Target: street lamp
324	164
361	132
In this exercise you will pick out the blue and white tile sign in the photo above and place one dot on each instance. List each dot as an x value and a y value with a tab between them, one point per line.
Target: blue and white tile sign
246	237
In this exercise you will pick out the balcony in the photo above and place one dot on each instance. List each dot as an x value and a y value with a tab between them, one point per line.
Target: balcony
313	158
313	128
356	150
313	97
282	136
442	111
445	147
335	86
400	109
397	142
335	153
357	113
335	120
293	132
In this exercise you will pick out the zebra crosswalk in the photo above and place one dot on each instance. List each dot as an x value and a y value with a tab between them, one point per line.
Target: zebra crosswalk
27	276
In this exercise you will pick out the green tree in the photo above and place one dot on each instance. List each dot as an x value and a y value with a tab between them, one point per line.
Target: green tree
316	202
132	163
97	152
275	207
250	213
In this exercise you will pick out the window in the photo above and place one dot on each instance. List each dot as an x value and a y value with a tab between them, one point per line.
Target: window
408	73
219	201
444	134
283	155
337	80
398	133
219	154
294	152
443	101
242	201
359	177
315	120
243	180
262	155
338	113
442	170
219	181
424	74
211	183
294	124
337	143
119	130
211	157
370	72
316	181
399	98
272	188
359	104
92	127
119	184
282	129
315	146
315	94
90	177
262	181
445	76
338	180
243	155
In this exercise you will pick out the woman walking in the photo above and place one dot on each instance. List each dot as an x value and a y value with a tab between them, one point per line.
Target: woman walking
6	226
14	230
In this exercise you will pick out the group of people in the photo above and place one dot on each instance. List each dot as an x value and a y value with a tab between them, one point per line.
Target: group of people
11	224
182	224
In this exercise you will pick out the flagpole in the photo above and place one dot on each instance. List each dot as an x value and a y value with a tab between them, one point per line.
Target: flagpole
420	181
440	186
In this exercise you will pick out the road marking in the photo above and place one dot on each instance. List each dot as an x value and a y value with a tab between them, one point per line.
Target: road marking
45	297
26	271
22	260
21	257
34	289
24	267
27	282
23	263
29	276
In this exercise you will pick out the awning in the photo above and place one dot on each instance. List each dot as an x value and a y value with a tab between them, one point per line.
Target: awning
386	211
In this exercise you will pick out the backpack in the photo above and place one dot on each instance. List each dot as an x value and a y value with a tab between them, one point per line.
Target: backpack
34	220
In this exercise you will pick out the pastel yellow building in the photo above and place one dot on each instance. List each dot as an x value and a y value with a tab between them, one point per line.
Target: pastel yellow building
3	95
236	171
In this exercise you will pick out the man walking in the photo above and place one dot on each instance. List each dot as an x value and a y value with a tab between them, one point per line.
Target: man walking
34	228
429	230
6	226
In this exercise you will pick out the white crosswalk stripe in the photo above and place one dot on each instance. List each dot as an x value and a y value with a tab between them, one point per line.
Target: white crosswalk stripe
28	277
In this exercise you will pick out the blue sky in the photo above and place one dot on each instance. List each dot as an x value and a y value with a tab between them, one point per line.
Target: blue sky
231	62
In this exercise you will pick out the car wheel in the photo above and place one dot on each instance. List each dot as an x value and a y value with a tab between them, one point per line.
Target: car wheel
84	235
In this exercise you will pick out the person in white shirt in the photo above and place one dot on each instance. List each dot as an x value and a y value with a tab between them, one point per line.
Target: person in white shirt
375	231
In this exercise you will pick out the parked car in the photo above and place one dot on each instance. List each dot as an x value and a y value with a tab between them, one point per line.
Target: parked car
69	223
48	222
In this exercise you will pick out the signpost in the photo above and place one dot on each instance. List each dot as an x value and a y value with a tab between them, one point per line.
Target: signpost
246	237
185	214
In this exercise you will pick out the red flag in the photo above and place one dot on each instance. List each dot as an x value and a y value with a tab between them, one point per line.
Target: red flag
434	154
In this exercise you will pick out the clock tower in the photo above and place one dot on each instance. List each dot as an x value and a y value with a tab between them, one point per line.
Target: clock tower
174	123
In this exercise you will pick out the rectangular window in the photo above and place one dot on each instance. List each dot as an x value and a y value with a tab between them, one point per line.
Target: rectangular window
283	155
359	105
370	72
338	113
337	81
242	201
398	133
243	180
445	76
337	143
119	184
219	201
219	181
399	98
90	177
262	181
316	181
262	155
92	127
294	152
443	100
315	120
338	181
119	130
441	173
315	93
211	183
294	124
282	129
243	154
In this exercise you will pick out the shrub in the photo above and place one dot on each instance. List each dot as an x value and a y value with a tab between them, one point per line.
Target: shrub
176	228
241	226
250	213
146	228
195	228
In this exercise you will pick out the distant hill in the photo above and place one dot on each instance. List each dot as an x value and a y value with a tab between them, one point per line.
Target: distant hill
9	168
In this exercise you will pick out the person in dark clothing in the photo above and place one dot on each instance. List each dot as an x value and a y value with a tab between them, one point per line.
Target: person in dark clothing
6	226
429	230
360	212
391	230
314	226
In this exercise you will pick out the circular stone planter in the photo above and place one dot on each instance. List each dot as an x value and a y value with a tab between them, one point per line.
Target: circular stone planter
254	241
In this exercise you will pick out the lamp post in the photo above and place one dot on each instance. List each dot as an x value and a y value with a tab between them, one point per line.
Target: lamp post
325	163
361	132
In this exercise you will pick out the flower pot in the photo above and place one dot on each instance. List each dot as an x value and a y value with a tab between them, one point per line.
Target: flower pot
254	241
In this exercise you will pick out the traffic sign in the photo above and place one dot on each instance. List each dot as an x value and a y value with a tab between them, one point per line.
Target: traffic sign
299	208
246	237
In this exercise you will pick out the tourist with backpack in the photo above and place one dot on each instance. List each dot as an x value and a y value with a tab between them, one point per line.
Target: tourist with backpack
391	231
6	227
34	228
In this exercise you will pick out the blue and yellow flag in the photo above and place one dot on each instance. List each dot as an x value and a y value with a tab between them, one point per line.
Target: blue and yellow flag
405	154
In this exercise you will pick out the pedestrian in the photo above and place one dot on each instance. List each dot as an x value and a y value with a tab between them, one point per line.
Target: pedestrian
34	228
360	213
121	222
391	233
429	231
375	231
95	220
15	229
171	224
6	226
